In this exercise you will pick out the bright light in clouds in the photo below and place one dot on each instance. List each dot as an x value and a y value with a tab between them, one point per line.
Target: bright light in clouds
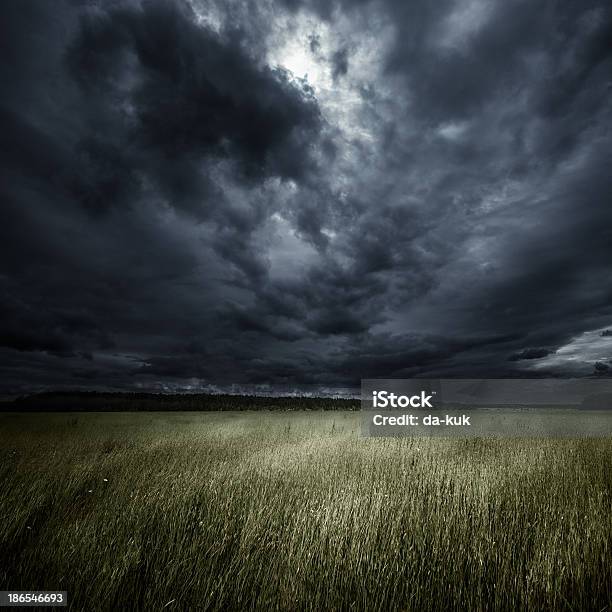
293	51
298	58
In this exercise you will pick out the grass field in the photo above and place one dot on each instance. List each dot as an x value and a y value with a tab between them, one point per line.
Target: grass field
293	510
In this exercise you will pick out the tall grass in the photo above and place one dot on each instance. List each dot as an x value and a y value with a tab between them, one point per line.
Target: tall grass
239	511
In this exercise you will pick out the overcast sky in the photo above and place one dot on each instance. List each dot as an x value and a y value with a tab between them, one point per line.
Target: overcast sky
204	194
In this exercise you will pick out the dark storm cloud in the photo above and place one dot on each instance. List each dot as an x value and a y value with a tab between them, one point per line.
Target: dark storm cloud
530	353
178	211
174	94
340	63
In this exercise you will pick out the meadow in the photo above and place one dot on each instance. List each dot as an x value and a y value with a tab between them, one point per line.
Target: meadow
295	511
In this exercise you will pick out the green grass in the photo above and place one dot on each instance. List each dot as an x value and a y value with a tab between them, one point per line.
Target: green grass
294	510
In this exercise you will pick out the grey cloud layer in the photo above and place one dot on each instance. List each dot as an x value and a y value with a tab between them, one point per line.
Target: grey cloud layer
179	212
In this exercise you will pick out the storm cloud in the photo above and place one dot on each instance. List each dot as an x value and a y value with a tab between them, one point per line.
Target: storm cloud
205	194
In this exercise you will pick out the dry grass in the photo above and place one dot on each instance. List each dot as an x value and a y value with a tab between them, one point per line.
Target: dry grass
219	511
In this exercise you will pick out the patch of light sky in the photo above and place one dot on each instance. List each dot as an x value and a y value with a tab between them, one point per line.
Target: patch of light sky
289	256
340	100
579	355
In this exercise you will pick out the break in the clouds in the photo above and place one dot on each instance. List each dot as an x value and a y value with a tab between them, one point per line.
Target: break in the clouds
203	194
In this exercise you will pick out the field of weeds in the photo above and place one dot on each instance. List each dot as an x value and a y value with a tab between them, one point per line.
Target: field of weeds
295	511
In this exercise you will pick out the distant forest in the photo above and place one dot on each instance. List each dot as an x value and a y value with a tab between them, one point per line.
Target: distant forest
95	401
91	401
